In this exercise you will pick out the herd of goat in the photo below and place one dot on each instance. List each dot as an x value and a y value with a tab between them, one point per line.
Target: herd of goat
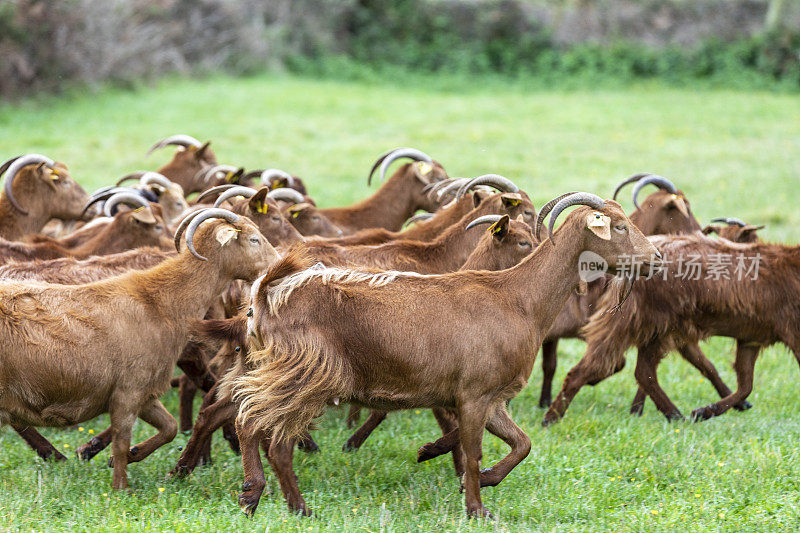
274	308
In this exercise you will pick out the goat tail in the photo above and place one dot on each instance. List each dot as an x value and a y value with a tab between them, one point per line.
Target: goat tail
288	386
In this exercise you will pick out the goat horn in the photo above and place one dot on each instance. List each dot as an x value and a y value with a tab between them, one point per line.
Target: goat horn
270	173
13	166
419	217
238	190
442	192
130	177
731	221
388	158
495	180
199	219
286	195
176	140
546	208
632	179
154	177
127	198
485	219
436	185
659	181
206	174
103	193
215	190
578	198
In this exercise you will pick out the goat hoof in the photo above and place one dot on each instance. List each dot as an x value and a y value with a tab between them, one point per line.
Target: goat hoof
480	512
348	447
744	405
86	451
701	413
300	508
133	451
309	446
675	417
549	421
544	403
426	452
179	472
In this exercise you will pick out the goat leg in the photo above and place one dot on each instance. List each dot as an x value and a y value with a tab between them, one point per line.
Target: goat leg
637	405
123	415
186	392
254	482
281	455
210	418
155	414
447	423
646	374
362	433
471	423
97	444
501	425
446	444
353	415
695	356
306	443
744	365
40	445
549	363
595	366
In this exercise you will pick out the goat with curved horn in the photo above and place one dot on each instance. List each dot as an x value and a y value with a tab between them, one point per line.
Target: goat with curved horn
485	219
104	193
246	192
455	185
631	179
286	195
128	198
176	140
578	198
732	221
419	217
546	208
659	181
216	190
267	175
195	221
495	180
14	166
207	174
393	155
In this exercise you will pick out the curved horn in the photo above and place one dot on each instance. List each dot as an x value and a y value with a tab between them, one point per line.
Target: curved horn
130	177
632	179
286	195
578	198
13	166
659	181
127	198
485	219
199	219
495	180
731	221
215	190
103	193
442	192
176	140
419	217
206	174
436	185
394	155
377	163
270	173
546	208
154	177
238	190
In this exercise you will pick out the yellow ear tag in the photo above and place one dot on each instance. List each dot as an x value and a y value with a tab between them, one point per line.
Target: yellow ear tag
513	202
54	175
275	185
262	208
495	228
141	208
229	177
424	168
295	214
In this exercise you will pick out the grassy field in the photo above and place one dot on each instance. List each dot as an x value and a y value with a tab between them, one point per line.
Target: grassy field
735	154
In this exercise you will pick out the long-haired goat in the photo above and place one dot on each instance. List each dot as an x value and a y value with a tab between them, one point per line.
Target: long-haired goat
188	163
735	229
368	338
37	189
74	352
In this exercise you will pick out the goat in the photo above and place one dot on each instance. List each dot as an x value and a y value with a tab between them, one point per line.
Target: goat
399	197
186	165
274	178
302	214
512	201
367	338
735	229
72	353
672	310
665	211
168	194
37	189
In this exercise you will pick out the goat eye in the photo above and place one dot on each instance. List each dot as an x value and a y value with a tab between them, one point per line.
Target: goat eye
528	213
621	228
524	244
255	241
315	218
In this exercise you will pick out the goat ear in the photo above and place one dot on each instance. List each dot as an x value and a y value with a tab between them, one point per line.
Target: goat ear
477	198
201	152
295	210
708	230
144	215
258	202
226	234
234	177
599	224
748	229
500	228
423	171
679	203
510	200
278	182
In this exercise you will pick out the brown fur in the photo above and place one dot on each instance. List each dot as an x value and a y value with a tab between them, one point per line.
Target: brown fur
45	196
187	165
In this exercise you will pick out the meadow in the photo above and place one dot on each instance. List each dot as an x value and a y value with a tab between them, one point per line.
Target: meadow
733	153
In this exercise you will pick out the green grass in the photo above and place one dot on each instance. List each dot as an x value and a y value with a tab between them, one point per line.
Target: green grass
734	153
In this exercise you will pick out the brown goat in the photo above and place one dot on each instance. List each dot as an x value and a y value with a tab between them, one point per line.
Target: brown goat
74	352
325	334
399	197
188	163
681	311
37	189
735	230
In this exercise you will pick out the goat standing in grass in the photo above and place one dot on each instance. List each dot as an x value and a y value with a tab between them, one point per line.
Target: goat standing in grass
464	341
